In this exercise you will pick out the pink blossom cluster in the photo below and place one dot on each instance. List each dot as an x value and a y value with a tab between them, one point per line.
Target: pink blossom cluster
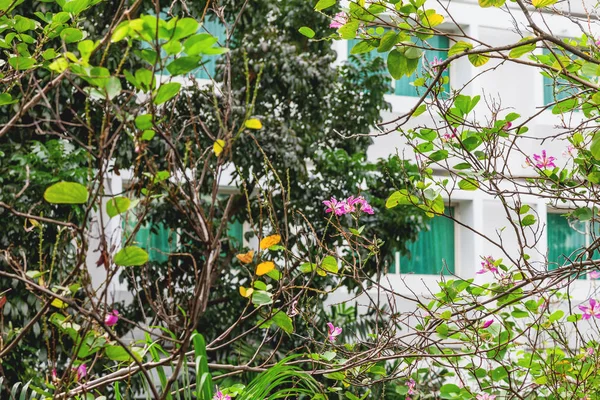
487	265
338	20
347	206
593	310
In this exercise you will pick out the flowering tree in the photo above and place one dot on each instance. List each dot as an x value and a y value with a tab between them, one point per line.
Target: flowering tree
516	334
521	330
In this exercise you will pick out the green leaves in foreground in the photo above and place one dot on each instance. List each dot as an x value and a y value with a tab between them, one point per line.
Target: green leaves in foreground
66	193
131	256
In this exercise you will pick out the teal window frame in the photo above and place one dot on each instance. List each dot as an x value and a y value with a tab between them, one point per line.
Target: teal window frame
434	250
402	86
566	239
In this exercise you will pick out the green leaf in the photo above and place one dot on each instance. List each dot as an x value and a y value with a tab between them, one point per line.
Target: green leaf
306	31
459	47
21	63
595	146
590	69
439	155
118	353
468	184
183	27
396	64
131	256
117	205
323	4
143	122
420	110
113	87
528	220
524	209
478	59
283	321
387	42
556	315
6	98
261	298
183	65
75	6
522	50
307	267
594	177
166	92
348	31
362	47
401	197
71	35
542	3
148	134
66	193
491	3
565	106
330	264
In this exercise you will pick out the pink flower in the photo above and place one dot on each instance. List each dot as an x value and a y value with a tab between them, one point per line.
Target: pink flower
487	323
569	152
81	372
485	396
544	161
334	206
112	318
333	332
487	265
220	396
54	376
592	310
598	43
363	204
589	351
338	20
507	126
411	386
293	310
447	137
594	274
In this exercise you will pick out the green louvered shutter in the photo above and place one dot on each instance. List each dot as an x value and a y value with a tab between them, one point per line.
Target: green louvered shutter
565	240
403	85
433	250
158	244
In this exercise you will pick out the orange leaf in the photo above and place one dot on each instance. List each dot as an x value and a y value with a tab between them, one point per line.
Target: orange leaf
269	241
264	268
246	258
2	301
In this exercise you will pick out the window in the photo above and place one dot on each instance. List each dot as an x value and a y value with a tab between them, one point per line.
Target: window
433	250
556	90
215	28
566	240
161	241
402	86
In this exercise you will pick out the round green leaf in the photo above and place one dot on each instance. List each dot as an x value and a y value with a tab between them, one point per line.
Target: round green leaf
66	193
131	256
117	206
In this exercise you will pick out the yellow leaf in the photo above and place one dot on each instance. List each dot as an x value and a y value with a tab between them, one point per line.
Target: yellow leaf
264	268
34	222
58	303
253	124
246	258
246	292
218	147
269	241
433	20
321	272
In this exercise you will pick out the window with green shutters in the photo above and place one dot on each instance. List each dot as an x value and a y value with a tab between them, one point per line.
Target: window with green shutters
433	251
403	86
566	239
161	241
555	90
